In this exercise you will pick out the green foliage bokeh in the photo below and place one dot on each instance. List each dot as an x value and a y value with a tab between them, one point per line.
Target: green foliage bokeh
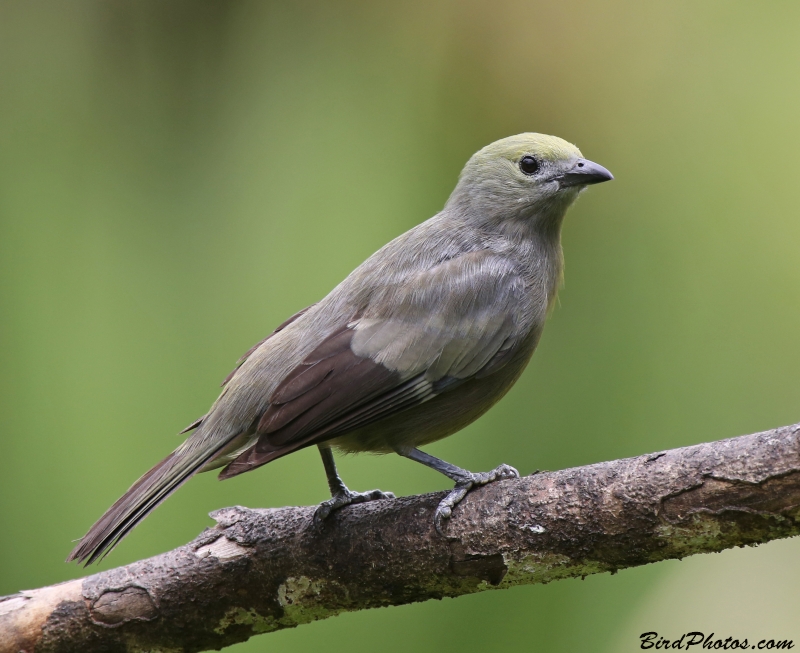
176	178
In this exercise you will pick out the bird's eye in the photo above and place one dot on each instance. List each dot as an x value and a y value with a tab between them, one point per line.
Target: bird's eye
528	165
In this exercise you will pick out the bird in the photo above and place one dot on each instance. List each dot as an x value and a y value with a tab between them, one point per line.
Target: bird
417	342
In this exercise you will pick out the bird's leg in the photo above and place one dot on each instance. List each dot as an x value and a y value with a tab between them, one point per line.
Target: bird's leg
341	496
464	480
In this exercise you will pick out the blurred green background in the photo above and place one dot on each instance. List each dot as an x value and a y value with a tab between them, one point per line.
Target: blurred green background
177	178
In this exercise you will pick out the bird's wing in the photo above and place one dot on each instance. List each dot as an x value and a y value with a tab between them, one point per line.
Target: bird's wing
413	340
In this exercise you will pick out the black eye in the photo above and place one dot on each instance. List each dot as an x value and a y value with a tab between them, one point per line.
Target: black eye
528	165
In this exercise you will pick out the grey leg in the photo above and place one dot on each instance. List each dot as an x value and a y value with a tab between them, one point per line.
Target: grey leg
464	480
340	495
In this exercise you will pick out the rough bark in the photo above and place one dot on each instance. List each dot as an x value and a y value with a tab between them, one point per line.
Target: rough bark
262	570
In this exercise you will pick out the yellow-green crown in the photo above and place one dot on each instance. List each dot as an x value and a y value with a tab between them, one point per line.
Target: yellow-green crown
542	146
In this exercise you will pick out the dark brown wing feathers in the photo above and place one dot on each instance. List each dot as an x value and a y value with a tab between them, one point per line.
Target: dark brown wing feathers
327	384
345	388
323	392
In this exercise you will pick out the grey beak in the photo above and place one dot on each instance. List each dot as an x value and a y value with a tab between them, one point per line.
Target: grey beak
584	173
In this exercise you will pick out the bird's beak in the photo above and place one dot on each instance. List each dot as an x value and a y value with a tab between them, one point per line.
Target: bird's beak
584	173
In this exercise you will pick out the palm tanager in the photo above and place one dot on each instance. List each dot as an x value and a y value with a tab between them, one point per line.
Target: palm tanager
419	341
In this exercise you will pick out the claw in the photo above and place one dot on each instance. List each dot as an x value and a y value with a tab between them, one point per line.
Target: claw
445	508
345	498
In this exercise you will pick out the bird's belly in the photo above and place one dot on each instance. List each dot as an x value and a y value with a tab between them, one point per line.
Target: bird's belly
441	416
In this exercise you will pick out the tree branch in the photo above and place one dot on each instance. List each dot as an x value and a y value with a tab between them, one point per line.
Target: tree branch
258	571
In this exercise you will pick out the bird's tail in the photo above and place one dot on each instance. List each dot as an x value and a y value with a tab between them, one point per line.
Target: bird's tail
142	497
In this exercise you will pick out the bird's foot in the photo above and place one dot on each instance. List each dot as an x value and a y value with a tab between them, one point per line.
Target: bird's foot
445	508
344	498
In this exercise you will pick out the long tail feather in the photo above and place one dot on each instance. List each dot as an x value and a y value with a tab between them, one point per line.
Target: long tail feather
142	497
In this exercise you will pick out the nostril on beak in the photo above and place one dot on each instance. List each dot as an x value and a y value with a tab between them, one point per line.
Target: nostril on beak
580	165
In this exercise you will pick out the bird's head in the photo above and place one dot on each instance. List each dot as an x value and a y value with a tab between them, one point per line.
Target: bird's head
524	176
